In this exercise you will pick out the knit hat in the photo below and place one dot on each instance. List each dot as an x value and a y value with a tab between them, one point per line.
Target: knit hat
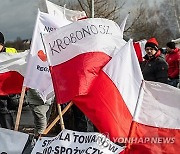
1	38
171	45
152	43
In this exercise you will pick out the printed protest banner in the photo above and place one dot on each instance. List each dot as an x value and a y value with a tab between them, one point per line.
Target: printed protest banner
72	142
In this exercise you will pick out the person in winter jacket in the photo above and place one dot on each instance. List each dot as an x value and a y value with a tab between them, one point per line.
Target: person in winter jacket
6	102
173	60
154	66
3	48
41	110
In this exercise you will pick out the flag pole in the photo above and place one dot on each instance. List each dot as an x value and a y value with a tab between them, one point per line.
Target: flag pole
60	117
92	8
135	111
58	105
57	118
21	100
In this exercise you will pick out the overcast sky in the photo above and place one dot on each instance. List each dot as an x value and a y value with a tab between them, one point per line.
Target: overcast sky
17	18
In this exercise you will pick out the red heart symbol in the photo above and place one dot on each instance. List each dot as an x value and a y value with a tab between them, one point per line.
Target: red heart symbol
42	56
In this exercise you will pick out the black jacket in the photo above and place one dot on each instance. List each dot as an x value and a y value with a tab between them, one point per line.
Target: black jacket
155	69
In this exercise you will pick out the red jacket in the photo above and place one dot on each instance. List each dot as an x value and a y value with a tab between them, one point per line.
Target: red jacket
173	60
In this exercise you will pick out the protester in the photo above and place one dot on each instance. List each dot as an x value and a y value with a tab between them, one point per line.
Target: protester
7	105
41	110
154	66
2	42
2	46
173	60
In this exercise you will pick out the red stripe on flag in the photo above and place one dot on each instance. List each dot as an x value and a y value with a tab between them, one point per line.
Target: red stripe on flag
153	140
10	83
105	107
75	77
138	51
82	18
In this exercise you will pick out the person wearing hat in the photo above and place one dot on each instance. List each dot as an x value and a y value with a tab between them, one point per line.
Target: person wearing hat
173	60
6	117
1	42
7	105
2	46
154	66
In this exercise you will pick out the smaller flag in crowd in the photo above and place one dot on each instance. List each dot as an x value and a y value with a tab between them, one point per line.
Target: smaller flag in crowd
62	12
12	71
140	49
38	75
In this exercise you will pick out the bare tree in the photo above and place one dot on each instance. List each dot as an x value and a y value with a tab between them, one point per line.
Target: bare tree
109	9
157	21
136	27
144	24
144	21
170	12
103	8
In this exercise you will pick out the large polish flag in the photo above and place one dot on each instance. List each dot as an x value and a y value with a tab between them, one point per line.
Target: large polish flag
12	71
111	102
77	52
62	12
156	122
38	75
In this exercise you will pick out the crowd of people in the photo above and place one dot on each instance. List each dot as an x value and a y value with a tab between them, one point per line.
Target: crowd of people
156	66
161	67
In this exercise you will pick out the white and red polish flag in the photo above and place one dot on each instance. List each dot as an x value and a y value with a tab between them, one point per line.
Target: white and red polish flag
140	49
156	124
111	102
62	12
77	52
12	71
38	75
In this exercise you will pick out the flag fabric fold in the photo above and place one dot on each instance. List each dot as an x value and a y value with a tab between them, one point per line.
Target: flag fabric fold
111	102
12	71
